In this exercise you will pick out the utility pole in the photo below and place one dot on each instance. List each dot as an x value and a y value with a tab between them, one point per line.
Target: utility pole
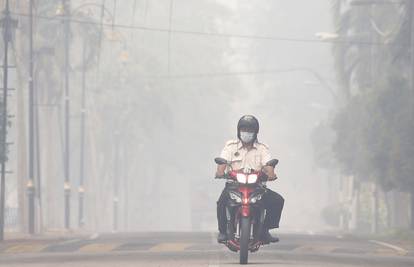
100	36
116	181
30	183
411	89
7	24
37	156
124	161
67	189
82	149
373	84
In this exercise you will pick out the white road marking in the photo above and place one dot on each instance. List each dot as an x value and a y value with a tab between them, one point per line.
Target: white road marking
310	232
93	236
399	250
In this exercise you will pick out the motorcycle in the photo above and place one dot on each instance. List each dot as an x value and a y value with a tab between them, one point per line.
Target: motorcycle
245	211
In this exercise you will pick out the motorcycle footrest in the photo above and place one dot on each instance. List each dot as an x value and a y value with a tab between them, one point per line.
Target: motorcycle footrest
255	247
232	246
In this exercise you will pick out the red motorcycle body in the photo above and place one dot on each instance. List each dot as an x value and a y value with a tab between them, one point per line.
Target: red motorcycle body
246	191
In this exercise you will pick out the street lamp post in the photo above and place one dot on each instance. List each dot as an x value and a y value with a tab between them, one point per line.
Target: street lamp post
81	190
411	114
84	67
6	38
67	189
30	183
116	182
8	25
117	176
82	149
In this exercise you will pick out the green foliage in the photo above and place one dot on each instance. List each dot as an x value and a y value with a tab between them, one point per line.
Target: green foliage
322	139
374	128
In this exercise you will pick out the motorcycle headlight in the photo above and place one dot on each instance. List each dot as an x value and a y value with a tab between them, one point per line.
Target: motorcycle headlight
255	198
235	197
241	178
252	178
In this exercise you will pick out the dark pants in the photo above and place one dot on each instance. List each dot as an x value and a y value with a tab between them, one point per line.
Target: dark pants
273	203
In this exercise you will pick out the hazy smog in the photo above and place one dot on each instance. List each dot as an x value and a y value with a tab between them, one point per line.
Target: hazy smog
163	93
128	122
175	100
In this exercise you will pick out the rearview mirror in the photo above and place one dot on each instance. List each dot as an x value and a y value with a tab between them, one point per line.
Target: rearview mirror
272	162
220	161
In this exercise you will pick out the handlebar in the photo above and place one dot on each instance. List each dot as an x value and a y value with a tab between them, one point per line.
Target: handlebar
225	176
263	177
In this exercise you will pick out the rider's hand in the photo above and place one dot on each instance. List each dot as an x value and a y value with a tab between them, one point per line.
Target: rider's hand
263	177
219	176
270	173
272	178
220	172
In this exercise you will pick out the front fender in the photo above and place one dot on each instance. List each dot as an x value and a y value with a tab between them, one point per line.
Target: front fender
245	210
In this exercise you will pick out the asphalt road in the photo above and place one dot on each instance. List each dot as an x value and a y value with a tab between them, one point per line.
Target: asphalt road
197	249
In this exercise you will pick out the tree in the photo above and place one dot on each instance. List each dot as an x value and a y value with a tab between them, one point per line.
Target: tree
374	127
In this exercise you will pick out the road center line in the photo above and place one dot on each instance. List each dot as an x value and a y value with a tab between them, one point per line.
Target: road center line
399	250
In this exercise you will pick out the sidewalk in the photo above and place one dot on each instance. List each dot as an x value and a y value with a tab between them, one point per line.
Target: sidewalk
58	234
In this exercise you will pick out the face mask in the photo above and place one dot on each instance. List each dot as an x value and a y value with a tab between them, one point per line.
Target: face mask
246	137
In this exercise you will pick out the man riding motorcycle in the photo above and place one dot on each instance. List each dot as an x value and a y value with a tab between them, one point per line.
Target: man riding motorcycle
248	152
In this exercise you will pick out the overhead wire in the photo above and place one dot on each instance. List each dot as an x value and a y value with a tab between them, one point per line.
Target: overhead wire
134	9
100	24
226	74
114	15
169	34
209	34
146	11
170	30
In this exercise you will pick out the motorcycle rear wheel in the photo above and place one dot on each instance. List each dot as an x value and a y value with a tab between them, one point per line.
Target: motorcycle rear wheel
244	239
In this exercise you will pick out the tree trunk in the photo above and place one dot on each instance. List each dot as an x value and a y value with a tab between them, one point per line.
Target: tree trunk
412	210
374	225
387	198
356	210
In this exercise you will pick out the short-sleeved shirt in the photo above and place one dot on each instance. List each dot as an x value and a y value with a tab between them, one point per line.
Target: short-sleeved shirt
241	158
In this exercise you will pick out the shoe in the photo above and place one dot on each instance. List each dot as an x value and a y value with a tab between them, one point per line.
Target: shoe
268	238
221	238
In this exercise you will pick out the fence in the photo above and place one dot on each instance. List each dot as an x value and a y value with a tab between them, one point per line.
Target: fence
11	219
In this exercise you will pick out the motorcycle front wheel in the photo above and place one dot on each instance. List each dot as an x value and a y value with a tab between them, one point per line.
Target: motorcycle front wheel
244	239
